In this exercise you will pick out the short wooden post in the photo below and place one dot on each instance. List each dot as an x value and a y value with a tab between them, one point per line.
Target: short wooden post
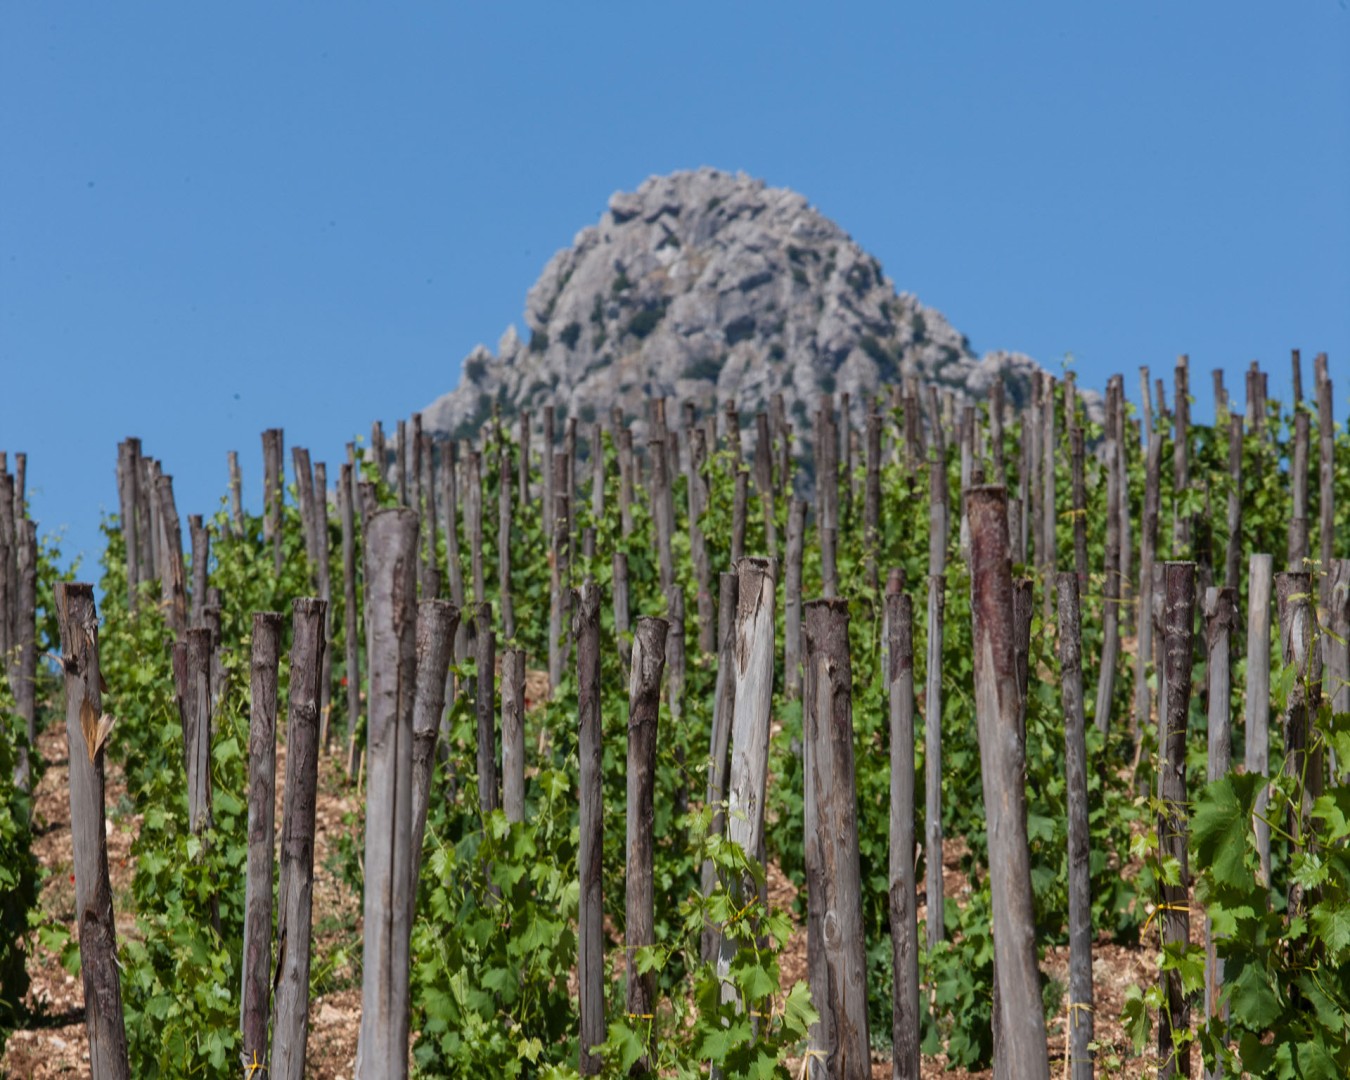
903	914
262	782
590	926
834	893
1075	774
87	729
290	1018
391	606
997	705
1173	819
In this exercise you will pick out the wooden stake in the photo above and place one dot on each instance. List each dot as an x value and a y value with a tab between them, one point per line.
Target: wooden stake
905	1018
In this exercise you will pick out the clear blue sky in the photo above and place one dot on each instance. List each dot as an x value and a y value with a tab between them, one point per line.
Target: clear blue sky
219	218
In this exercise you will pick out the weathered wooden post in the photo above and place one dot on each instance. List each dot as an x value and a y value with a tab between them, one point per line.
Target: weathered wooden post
236	494
1113	573
1233	551
87	730
1148	546
437	621
724	707
932	761
262	782
274	492
485	707
561	576
391	606
698	495
290	1017
173	584
1257	715
590	915
1173	819
128	490
834	892
792	600
504	514
1075	774
622	611
1326	445
1298	482
350	633
903	914
1338	649
513	734
1220	610
997	705
644	703
1296	604
200	539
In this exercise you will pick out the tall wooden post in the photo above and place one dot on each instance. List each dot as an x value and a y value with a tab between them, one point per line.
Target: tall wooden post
87	729
437	621
290	1017
262	781
834	893
997	705
590	928
391	612
1257	715
905	1017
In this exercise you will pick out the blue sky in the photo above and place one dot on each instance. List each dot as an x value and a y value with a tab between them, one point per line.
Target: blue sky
219	219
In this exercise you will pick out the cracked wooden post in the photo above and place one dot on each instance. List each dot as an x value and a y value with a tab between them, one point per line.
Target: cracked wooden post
1079	841
752	664
1220	610
644	705
513	734
1256	718
200	540
834	892
262	782
905	1016
87	731
391	605
437	621
1174	916
590	914
1002	758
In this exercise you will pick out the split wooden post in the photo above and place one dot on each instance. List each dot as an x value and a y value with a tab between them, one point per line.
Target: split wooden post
834	892
513	734
200	540
87	729
903	913
391	611
290	1019
1002	757
1174	916
590	915
437	621
1079	860
752	673
1220	610
644	704
262	782
1256	718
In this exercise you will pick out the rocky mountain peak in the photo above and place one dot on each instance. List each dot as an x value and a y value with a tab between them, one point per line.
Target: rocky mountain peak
705	286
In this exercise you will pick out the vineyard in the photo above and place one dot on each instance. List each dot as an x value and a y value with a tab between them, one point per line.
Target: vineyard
920	739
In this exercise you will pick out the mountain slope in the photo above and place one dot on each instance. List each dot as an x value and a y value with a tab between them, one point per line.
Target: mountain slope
703	286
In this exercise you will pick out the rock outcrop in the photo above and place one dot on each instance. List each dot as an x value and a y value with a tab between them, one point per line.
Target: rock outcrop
703	286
